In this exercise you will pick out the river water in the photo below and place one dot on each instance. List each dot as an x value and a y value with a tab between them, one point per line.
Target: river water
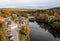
41	32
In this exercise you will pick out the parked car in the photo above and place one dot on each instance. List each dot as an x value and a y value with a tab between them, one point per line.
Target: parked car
9	34
11	39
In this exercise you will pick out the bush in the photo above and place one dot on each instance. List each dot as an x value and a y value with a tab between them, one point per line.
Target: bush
56	25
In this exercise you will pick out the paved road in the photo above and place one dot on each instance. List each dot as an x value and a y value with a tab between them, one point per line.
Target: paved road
15	32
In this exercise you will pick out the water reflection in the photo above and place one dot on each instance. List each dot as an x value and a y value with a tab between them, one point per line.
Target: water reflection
42	32
52	31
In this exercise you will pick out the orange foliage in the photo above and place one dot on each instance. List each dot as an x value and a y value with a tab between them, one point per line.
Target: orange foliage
7	14
1	21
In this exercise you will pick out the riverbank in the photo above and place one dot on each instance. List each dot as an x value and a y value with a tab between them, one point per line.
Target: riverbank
52	20
52	26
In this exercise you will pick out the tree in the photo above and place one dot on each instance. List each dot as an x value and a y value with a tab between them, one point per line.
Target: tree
14	16
6	14
1	22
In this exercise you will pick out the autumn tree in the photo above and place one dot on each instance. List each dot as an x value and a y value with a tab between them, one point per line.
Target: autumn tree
1	22
6	14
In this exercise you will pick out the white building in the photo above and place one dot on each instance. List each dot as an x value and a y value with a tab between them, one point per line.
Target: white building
50	18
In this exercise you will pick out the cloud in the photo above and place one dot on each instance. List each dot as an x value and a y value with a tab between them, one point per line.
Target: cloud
29	3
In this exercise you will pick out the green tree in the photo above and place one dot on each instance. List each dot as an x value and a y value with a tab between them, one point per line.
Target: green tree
13	17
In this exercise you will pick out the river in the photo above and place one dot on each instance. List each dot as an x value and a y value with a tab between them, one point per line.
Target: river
40	32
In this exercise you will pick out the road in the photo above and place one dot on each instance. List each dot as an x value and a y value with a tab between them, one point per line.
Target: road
15	32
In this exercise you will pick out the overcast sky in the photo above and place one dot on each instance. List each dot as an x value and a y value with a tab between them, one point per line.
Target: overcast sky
39	4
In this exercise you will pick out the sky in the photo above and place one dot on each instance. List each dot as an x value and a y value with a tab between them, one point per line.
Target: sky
38	4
